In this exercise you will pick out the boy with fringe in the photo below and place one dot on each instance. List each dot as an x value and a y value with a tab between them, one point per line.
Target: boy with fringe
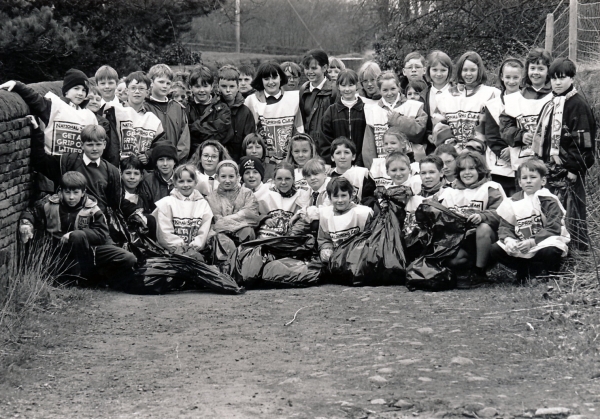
532	235
242	120
171	114
565	141
209	117
76	223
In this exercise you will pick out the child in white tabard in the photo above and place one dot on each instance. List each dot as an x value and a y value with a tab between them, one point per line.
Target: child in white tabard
476	197
282	206
344	155
302	149
342	220
497	153
462	105
532	234
184	217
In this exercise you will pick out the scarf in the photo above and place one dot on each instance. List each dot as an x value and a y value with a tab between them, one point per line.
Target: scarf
287	194
428	192
551	110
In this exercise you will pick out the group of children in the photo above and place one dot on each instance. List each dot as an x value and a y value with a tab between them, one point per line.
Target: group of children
251	154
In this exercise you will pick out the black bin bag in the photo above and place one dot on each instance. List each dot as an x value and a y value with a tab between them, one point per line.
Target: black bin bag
288	272
248	261
375	256
162	274
441	232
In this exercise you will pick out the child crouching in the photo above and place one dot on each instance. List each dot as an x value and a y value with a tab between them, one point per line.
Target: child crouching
74	220
476	197
532	234
342	219
184	217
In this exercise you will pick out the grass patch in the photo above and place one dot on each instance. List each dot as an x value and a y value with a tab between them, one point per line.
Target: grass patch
28	303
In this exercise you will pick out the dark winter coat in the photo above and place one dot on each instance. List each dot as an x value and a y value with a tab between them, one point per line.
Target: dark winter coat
313	109
242	124
339	121
209	122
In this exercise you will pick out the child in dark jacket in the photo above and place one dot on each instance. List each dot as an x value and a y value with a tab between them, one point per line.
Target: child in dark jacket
242	120
172	115
316	95
532	234
103	179
520	112
565	138
345	118
75	222
159	183
209	116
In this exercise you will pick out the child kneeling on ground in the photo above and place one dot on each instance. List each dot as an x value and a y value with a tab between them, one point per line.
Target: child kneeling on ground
341	220
532	234
74	220
184	217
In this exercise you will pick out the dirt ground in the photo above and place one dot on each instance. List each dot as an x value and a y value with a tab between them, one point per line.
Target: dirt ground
351	353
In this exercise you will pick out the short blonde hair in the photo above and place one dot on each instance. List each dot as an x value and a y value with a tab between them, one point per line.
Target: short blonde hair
160	70
190	168
106	72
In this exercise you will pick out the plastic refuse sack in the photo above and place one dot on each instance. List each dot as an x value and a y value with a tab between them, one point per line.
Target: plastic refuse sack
442	233
220	247
248	261
175	272
288	272
375	256
160	272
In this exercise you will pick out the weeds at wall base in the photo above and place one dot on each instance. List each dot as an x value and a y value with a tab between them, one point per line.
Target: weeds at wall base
29	296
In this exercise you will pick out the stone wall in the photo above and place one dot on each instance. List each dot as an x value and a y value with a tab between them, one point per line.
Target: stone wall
15	170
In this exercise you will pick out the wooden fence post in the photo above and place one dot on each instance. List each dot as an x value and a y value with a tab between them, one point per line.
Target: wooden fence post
573	30
549	43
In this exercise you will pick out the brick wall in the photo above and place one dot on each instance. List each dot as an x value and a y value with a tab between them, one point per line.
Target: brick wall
15	171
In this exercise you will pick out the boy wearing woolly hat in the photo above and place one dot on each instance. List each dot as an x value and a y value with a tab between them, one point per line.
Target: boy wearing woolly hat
63	117
159	183
252	172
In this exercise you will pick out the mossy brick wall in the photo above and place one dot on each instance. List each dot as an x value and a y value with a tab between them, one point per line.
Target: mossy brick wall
15	170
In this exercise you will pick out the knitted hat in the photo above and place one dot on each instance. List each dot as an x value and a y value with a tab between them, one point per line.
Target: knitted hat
441	133
475	145
164	150
73	78
248	163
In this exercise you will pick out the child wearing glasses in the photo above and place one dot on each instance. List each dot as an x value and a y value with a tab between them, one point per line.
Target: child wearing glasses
293	73
206	159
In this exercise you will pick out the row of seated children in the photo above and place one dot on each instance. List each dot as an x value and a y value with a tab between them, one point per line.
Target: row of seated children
574	153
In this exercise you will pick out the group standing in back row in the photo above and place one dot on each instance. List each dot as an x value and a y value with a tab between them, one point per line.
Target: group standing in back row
243	154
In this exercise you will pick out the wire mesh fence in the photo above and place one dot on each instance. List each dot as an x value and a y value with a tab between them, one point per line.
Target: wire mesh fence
588	31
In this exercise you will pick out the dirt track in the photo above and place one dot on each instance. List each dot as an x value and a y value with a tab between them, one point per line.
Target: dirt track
200	355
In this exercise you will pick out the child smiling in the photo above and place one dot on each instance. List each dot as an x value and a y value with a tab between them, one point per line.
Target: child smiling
184	217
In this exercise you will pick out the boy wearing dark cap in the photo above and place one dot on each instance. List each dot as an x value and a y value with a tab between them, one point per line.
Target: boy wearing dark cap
64	117
252	172
159	183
